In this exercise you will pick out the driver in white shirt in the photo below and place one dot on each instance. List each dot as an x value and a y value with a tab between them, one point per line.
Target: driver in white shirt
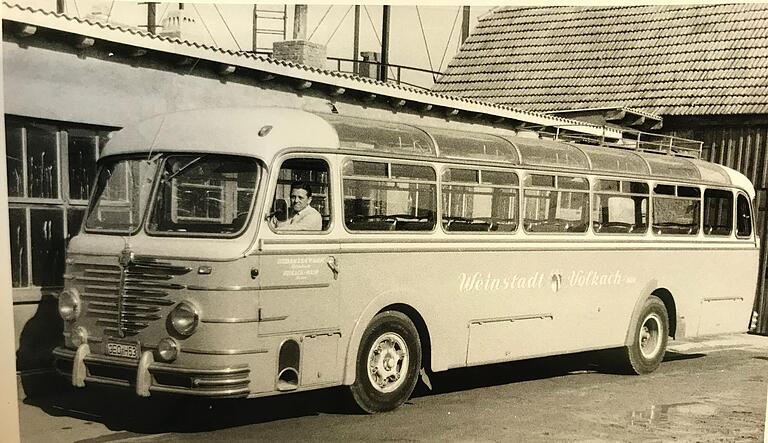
302	216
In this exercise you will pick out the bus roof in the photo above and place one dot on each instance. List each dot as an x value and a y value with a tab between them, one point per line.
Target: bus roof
263	132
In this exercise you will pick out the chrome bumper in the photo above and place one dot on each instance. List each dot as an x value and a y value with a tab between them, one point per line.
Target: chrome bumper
147	376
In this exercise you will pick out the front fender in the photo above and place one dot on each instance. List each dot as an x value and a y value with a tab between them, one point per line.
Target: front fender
376	305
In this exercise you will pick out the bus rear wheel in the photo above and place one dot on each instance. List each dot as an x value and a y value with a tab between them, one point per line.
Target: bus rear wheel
388	363
649	338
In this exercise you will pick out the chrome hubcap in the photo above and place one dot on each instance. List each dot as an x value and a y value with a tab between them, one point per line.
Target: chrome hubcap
650	336
388	362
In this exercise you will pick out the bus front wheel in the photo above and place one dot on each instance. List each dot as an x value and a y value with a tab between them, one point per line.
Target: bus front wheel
388	363
649	338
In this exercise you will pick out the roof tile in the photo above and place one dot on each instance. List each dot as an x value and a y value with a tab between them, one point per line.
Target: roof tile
668	59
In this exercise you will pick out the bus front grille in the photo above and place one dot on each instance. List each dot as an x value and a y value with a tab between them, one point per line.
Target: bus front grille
125	299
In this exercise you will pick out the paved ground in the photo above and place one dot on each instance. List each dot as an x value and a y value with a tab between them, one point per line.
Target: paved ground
708	390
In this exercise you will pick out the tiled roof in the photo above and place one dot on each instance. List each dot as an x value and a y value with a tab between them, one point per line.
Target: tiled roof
252	62
668	60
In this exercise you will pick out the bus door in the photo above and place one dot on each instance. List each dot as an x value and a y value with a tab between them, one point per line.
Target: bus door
298	272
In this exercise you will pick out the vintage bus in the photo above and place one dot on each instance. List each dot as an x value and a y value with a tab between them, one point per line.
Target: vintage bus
440	247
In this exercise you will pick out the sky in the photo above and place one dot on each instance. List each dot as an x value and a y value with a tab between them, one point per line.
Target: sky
426	37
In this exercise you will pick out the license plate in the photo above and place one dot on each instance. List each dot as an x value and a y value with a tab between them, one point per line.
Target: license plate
125	350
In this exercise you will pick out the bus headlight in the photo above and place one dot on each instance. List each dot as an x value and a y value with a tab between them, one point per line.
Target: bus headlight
78	336
184	318
167	349
69	304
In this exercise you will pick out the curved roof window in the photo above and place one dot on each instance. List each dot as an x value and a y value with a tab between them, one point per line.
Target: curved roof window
473	145
374	135
537	152
615	160
672	167
712	173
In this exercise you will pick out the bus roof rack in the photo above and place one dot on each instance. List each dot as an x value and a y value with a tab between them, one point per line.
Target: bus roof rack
642	141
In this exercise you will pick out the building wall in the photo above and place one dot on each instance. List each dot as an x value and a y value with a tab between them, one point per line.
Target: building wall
740	143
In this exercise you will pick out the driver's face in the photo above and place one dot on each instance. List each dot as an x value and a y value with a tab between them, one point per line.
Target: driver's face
299	199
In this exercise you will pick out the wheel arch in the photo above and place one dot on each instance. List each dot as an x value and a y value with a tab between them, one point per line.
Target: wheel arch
665	295
406	309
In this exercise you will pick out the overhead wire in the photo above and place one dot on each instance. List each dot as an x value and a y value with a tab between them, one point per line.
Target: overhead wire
109	13
319	23
204	25
339	25
426	45
77	10
165	11
227	25
450	36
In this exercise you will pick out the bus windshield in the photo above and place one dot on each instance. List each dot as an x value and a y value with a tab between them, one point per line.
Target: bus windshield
196	194
203	194
121	195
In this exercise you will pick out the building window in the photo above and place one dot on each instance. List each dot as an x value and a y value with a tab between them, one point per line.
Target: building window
51	169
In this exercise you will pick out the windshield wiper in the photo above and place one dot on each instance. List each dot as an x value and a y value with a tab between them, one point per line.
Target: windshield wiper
183	168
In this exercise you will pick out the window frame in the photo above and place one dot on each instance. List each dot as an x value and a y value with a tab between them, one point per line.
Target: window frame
389	161
676	196
557	188
621	180
479	183
741	194
274	181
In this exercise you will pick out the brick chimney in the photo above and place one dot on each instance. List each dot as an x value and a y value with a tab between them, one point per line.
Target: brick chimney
300	51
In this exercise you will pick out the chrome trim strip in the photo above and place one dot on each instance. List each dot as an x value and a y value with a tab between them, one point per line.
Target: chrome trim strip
100	359
222	288
303	332
275	318
225	352
723	299
220	382
309	286
231	320
241	392
161	367
514	318
107	381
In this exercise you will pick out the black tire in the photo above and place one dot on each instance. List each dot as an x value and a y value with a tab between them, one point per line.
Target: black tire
385	379
648	338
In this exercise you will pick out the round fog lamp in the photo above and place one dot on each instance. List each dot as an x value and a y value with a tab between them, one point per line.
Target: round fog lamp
167	349
184	318
69	304
78	336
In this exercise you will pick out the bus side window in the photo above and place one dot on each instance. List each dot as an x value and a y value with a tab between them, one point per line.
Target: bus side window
718	212
299	172
479	200
743	217
380	196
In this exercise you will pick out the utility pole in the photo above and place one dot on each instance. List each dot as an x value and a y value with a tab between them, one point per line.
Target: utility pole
151	17
300	22
384	44
60	6
356	41
465	24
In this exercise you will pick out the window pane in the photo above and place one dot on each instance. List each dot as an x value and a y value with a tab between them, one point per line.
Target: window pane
82	165
18	231
718	212
413	172
42	163
556	211
199	194
500	178
369	169
461	175
14	156
540	180
312	172
47	231
620	214
479	209
688	191
121	195
389	206
744	217
675	216
572	183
